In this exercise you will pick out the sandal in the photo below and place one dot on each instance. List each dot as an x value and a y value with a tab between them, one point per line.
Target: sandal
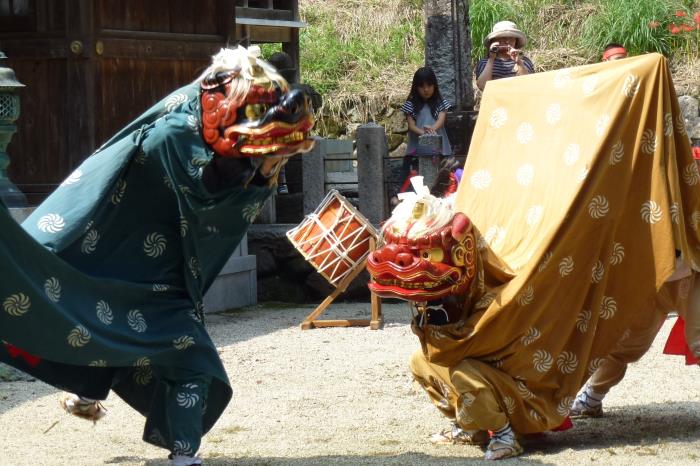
83	408
458	436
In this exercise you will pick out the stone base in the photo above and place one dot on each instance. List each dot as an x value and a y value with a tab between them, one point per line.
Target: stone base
235	286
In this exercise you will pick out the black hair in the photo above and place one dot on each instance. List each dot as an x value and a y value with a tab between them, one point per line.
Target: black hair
422	76
613	45
284	64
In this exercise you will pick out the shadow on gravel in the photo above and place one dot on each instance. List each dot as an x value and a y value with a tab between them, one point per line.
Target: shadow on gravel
14	394
639	426
404	459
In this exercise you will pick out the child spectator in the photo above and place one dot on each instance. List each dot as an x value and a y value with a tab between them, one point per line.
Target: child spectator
425	111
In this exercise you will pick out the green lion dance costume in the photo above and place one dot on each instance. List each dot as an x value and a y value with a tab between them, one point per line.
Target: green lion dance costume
102	285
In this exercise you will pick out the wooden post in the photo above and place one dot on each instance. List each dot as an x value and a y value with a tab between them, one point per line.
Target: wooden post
374	323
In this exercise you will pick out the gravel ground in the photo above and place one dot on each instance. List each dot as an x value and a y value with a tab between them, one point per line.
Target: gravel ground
344	396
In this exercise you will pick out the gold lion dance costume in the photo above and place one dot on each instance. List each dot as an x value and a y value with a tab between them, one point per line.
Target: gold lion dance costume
578	195
102	285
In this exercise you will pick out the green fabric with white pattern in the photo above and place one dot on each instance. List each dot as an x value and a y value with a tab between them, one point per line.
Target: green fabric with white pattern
104	281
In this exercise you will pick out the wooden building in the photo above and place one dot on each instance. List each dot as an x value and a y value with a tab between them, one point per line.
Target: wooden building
90	66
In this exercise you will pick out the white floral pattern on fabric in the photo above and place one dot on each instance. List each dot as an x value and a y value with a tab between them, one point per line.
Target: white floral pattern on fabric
509	404
691	175
594	365
184	226
553	114
485	301
141	157
680	125
531	336
565	405
495	235
582	320
523	390
649	142
525	133
542	361
51	223
194	267
119	191
675	213
695	220
136	321
617	254
572	154
183	342
668	125
160	287
104	312
567	362
630	86
582	174
481	179
154	245
545	260
608	308
17	304
534	215
537	417
183	448
89	244
173	101
143	372
597	272
250	212
566	266
602	124
52	289
525	175
562	78
598	207
187	400
168	182
498	118
526	296
590	84
78	337
616	153
651	212
73	177
98	363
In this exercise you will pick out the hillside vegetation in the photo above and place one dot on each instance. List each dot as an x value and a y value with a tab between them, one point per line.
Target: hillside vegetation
361	54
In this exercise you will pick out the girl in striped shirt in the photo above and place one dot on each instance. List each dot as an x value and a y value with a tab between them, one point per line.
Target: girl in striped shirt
425	111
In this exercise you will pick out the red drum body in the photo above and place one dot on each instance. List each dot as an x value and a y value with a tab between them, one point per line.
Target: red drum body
335	238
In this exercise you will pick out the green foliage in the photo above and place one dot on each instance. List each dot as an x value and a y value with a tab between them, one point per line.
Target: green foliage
632	23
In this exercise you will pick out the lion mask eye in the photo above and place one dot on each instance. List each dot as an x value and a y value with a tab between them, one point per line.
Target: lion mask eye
432	254
255	111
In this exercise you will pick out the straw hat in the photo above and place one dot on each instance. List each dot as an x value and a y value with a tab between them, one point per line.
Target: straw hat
506	29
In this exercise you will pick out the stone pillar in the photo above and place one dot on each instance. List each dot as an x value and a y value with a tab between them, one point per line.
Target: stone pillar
448	53
448	49
372	148
313	176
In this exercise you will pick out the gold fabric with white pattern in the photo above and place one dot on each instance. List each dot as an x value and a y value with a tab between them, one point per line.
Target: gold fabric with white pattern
582	185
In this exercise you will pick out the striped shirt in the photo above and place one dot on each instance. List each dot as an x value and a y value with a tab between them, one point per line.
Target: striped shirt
503	68
408	109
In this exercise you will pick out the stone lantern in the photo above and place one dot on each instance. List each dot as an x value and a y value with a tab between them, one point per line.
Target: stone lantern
9	112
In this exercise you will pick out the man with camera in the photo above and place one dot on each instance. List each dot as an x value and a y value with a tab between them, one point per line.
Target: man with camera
505	59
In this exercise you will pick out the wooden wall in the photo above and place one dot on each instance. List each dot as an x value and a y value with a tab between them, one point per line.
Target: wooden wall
90	66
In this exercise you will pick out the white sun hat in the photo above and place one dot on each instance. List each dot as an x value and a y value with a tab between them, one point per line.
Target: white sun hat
506	29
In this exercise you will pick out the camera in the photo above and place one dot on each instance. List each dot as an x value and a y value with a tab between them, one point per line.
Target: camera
499	48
